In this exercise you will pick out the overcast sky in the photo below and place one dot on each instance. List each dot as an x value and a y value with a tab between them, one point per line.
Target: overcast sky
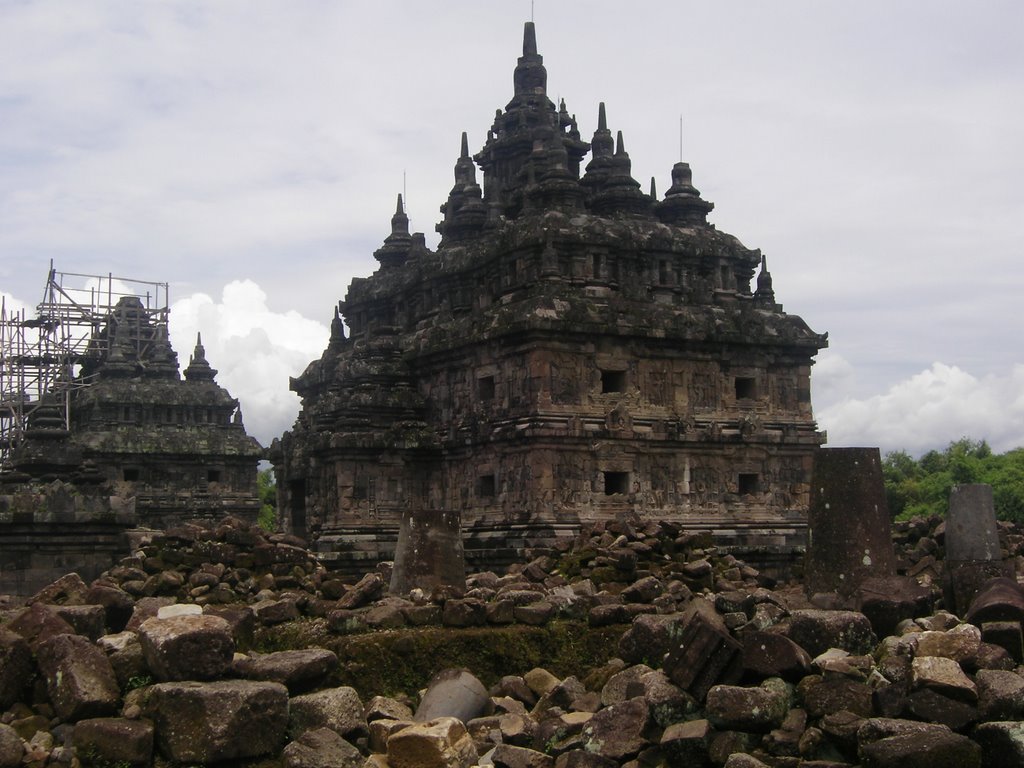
249	153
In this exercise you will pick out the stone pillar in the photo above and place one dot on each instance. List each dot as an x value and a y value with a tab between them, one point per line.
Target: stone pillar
849	535
429	552
973	554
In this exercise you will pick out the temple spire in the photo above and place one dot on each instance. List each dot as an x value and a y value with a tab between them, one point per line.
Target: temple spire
396	246
198	368
529	40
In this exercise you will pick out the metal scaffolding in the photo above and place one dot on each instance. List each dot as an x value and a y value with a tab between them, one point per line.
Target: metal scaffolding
41	357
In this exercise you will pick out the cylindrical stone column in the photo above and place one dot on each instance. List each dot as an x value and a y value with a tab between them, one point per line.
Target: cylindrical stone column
849	533
429	552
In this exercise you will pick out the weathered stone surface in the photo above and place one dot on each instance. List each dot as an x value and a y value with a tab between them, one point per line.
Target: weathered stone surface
850	533
817	630
429	553
114	740
540	681
920	750
15	667
222	720
959	644
888	600
1001	599
1002	744
11	749
88	620
321	748
743	760
931	705
973	551
731	707
686	743
618	731
187	647
299	670
581	758
441	743
1000	694
703	655
336	708
649	637
369	588
79	679
830	695
38	623
453	693
509	756
943	676
768	654
468	612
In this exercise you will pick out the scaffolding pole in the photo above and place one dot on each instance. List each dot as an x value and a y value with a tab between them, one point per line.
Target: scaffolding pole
41	357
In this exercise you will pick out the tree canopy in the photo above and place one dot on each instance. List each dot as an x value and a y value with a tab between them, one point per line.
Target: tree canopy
921	486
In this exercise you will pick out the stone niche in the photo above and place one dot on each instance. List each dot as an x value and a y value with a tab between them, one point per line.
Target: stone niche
575	349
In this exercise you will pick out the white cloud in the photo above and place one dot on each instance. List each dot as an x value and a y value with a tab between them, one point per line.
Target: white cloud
932	408
254	349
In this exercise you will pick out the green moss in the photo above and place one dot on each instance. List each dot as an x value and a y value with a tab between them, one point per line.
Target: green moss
403	661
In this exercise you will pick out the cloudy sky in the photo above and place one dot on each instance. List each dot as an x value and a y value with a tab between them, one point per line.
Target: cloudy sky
248	153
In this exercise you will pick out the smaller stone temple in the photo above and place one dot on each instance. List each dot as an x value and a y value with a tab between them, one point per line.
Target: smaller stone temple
101	433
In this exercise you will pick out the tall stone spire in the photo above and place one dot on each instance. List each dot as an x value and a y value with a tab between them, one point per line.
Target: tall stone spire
683	204
765	294
530	77
464	212
530	120
198	368
396	246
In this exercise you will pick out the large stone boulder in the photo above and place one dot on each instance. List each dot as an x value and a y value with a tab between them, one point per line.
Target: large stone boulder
336	708
15	667
299	670
1002	744
11	749
189	647
79	679
200	722
441	743
618	731
735	708
322	748
817	630
114	741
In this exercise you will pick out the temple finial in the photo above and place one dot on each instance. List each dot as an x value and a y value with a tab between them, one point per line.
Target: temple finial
654	189
400	208
529	39
465	145
620	145
602	119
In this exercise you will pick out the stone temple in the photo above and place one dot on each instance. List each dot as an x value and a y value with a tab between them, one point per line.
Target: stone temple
575	350
133	427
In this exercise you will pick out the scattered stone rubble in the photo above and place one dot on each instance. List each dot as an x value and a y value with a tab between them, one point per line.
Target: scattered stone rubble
716	665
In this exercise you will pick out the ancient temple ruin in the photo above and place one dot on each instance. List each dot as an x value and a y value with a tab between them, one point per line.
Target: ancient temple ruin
575	349
93	397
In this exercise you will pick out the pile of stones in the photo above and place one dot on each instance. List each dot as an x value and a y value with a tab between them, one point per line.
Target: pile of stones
716	665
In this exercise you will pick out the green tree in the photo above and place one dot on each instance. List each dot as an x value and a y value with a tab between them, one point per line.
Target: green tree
921	487
266	487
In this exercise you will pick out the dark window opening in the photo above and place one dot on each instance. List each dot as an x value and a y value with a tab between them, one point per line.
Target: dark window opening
213	475
613	381
616	482
359	490
488	485
130	475
485	385
663	272
596	266
297	506
748	483
746	388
